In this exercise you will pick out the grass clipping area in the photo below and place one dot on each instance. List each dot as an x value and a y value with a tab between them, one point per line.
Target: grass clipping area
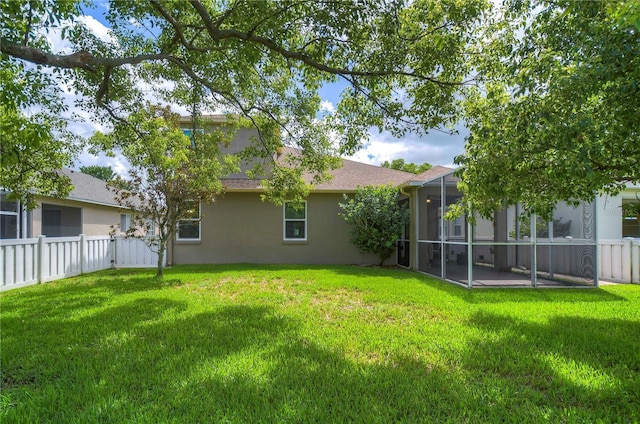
255	343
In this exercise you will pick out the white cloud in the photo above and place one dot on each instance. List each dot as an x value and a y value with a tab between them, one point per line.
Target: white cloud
436	148
97	28
119	165
377	151
327	106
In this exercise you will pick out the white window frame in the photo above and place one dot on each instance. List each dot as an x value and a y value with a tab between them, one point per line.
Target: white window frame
285	220
128	219
198	220
151	227
18	215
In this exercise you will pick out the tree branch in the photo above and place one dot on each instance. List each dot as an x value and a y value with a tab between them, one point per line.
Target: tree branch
217	34
176	27
79	60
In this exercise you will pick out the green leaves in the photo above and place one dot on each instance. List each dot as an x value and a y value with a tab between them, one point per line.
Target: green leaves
104	173
404	65
376	219
170	172
556	118
32	150
400	165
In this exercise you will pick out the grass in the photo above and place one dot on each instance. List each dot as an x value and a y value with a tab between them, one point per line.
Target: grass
249	344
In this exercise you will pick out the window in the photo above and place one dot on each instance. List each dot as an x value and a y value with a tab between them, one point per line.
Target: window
295	221
125	222
9	218
189	133
61	221
151	227
457	227
189	225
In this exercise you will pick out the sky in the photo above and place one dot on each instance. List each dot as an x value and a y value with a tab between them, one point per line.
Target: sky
436	147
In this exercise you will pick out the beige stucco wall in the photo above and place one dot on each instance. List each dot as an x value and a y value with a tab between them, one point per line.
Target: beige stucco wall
96	219
241	228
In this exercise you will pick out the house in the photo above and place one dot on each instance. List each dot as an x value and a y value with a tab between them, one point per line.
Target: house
506	250
240	227
89	209
614	222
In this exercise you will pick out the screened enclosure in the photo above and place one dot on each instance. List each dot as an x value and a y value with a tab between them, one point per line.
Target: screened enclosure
511	249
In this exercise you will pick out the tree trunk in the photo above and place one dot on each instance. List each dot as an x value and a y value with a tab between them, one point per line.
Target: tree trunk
161	250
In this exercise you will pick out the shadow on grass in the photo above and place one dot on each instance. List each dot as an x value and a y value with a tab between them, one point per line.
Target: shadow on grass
154	360
585	363
237	364
65	297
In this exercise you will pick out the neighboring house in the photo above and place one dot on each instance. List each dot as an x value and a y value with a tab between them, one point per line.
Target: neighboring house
612	222
89	209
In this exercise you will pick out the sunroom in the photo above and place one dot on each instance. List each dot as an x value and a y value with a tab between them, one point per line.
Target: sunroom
510	250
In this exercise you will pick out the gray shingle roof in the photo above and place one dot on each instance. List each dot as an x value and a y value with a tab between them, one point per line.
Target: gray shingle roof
348	178
89	189
355	174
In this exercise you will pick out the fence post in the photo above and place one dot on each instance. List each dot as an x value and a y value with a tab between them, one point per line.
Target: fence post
113	251
3	278
41	257
625	256
83	253
635	261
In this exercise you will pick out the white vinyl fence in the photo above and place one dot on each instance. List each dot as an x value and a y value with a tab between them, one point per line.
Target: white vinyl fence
620	260
30	261
25	262
134	253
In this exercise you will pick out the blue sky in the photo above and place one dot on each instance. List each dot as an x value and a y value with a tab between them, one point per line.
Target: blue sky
436	147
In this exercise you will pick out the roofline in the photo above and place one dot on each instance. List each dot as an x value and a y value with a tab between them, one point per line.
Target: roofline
81	200
414	183
215	118
262	190
243	190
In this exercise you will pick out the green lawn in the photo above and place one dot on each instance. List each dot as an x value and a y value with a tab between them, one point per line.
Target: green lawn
254	343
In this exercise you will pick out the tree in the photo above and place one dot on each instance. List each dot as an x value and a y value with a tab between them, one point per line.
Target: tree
556	118
401	165
104	173
30	162
403	65
34	140
376	219
170	173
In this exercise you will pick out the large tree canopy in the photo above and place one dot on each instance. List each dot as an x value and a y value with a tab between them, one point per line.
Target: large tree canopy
556	117
403	63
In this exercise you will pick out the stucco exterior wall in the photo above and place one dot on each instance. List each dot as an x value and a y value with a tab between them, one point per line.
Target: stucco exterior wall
96	219
240	228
